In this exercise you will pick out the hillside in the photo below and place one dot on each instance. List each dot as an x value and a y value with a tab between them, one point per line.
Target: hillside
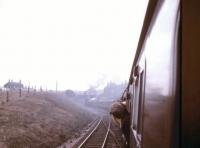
40	120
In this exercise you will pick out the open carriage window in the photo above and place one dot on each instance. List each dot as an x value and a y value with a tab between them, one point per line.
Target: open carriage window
138	104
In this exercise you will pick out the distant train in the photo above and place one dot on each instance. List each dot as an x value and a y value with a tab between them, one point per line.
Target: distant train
163	93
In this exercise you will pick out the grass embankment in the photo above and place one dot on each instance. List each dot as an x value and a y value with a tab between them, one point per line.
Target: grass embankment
40	121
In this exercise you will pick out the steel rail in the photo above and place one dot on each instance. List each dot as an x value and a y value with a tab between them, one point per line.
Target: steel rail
106	137
114	137
91	124
112	134
86	139
108	131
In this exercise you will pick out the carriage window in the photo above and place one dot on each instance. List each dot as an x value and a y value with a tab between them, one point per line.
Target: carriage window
138	103
135	105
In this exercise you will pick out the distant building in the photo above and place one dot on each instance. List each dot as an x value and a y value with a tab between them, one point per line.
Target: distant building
13	85
70	93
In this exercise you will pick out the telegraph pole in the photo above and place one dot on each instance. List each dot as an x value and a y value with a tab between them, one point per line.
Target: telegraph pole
28	86
56	86
20	89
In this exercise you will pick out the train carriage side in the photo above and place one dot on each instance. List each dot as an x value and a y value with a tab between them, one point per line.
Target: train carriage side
153	87
190	74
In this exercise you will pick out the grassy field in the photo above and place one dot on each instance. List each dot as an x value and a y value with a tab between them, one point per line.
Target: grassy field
40	120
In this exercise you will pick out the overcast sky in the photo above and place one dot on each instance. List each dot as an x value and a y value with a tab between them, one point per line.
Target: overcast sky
79	43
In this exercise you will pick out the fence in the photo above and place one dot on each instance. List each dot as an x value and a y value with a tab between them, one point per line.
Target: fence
7	95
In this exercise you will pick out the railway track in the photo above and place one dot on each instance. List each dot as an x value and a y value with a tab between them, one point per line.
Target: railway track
100	135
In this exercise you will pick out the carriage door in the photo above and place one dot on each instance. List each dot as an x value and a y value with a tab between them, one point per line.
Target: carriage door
138	106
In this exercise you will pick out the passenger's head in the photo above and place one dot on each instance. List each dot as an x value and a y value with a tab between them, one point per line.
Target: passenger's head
118	110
